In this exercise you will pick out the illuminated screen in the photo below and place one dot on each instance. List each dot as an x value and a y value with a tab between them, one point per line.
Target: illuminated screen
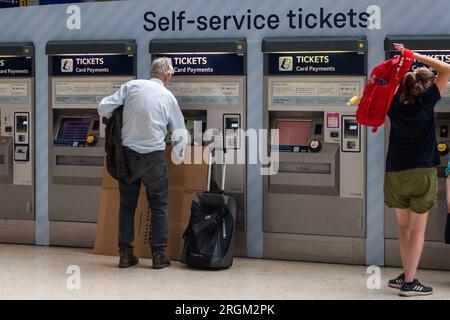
74	128
294	133
22	124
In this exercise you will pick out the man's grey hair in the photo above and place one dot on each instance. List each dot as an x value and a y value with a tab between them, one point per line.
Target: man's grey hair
161	67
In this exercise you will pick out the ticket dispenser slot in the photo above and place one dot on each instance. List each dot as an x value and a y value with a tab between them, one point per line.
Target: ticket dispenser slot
21	153
315	203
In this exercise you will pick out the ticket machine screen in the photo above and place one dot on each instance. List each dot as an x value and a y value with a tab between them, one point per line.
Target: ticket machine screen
22	124
73	130
293	132
351	129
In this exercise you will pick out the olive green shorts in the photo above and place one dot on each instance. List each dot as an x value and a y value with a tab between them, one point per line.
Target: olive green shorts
414	188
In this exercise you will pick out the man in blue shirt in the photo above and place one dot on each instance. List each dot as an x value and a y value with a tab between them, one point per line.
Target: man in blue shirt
149	111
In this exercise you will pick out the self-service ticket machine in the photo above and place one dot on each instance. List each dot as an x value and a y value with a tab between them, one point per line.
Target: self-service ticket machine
436	254
210	86
81	73
17	143
314	206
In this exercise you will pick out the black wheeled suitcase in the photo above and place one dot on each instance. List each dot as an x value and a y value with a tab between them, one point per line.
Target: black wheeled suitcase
209	236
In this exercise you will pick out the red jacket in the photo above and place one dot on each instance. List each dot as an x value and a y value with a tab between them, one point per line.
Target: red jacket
381	88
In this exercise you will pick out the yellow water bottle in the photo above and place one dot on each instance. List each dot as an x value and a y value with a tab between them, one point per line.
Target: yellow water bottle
354	100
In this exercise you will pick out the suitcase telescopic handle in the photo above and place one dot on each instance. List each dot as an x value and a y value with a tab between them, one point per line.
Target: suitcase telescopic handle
224	170
208	185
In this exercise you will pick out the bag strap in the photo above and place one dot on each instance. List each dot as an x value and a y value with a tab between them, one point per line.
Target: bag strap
406	59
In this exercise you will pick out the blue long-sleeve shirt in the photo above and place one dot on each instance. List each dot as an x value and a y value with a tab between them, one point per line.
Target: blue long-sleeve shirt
149	109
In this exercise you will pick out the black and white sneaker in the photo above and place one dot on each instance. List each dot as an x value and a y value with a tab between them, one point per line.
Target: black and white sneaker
397	282
415	289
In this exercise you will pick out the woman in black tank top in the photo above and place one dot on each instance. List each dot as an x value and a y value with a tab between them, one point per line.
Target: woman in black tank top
411	180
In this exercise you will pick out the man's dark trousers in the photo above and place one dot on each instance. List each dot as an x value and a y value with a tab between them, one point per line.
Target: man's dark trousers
151	169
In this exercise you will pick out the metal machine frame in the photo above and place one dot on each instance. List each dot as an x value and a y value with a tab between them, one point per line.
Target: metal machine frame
312	222
17	179
75	172
216	115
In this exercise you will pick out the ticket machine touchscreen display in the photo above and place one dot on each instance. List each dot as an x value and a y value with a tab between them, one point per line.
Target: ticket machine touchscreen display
73	130
293	132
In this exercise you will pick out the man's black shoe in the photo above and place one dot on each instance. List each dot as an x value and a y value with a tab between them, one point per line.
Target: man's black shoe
127	259
160	261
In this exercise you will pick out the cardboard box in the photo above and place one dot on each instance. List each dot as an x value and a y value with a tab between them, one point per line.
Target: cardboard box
107	234
108	181
108	223
190	177
106	242
185	181
179	213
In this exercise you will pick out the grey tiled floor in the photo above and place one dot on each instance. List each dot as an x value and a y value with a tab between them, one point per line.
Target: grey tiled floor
31	272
